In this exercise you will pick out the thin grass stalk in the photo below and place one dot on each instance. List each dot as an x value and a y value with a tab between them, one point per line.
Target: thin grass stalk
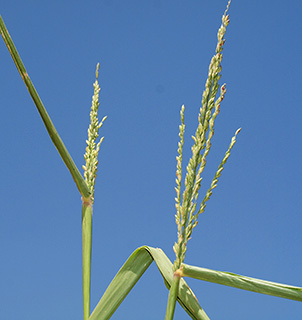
173	293
242	282
75	173
86	256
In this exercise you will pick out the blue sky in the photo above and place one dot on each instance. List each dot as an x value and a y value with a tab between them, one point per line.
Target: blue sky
154	57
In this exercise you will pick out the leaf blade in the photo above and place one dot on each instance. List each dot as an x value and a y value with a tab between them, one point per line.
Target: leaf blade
52	132
243	282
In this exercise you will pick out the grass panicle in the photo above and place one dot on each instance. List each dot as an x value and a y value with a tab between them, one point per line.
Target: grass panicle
186	204
93	148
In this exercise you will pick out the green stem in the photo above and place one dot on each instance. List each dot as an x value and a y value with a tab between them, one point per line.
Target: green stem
86	249
77	177
173	293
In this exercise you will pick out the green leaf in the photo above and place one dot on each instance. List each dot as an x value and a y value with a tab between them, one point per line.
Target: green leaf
243	282
129	274
53	134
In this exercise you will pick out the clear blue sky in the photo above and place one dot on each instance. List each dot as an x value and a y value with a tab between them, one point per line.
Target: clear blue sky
154	57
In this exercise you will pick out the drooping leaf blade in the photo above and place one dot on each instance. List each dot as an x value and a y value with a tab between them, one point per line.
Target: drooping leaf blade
130	273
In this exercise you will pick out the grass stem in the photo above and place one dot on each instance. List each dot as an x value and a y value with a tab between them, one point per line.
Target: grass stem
173	293
86	249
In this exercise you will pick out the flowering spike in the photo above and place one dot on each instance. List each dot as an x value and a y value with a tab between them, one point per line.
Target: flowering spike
92	149
186	203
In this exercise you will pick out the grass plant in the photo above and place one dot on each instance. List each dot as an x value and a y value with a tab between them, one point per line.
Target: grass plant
189	205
